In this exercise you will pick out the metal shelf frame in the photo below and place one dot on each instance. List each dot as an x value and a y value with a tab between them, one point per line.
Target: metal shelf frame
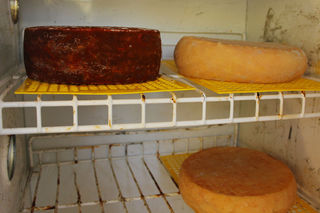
110	102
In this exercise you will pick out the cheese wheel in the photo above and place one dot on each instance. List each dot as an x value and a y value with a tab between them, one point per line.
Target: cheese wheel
238	61
92	55
236	180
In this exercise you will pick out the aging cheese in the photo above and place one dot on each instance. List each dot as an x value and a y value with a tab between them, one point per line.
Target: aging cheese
239	61
92	55
236	180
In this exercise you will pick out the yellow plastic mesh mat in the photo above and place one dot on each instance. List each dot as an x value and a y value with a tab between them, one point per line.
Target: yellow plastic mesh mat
174	162
220	87
162	84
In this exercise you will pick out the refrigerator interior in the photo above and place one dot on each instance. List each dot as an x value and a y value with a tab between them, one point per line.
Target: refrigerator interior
66	172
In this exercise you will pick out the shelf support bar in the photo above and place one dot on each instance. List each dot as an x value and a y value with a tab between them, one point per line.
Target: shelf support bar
75	111
257	105
281	105
204	107
231	99
174	108
303	104
143	110
110	111
38	109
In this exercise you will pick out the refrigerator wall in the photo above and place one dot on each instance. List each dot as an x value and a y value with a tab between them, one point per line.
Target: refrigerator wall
294	22
9	52
217	18
296	142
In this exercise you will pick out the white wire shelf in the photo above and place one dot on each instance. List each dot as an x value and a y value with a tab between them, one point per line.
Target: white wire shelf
110	178
200	96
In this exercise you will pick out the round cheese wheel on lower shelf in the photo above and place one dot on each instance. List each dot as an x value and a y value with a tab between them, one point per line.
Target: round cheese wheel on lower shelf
236	180
238	61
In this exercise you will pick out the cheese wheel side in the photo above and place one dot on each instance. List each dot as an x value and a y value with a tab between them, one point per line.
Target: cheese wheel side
238	61
202	200
236	180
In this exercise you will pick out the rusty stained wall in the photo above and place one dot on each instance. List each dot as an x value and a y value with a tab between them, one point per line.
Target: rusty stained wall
296	142
293	22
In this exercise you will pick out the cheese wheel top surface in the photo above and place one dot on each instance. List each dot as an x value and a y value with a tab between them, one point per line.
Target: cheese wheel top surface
237	172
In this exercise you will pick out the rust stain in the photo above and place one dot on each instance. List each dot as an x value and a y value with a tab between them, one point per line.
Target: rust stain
311	17
109	123
44	208
115	144
317	66
77	189
272	31
258	97
173	100
97	182
290	133
143	97
84	147
303	93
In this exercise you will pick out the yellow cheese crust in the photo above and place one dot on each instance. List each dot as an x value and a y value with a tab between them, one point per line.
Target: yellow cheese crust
238	61
236	180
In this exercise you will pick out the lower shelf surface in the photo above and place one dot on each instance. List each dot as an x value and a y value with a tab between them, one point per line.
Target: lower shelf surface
132	184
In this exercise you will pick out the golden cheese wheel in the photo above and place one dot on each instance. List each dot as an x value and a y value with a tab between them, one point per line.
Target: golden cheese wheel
236	180
238	61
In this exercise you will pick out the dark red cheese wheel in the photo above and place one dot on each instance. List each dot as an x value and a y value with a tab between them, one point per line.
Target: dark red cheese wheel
92	55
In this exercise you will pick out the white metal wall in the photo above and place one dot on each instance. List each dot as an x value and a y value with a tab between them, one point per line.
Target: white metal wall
8	40
296	142
10	190
174	18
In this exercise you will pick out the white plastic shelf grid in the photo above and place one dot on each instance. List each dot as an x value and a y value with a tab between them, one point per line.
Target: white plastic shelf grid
109	178
202	96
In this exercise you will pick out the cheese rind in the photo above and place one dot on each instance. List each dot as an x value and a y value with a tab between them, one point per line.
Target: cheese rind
92	55
238	61
236	180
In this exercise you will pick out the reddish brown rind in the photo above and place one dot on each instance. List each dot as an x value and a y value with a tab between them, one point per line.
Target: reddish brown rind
92	55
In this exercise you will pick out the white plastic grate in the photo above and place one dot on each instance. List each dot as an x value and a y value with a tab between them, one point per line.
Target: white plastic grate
127	177
133	184
112	178
201	96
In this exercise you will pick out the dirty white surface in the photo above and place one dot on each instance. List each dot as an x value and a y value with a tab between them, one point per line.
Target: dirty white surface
292	22
121	177
167	15
174	18
8	39
296	142
10	191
